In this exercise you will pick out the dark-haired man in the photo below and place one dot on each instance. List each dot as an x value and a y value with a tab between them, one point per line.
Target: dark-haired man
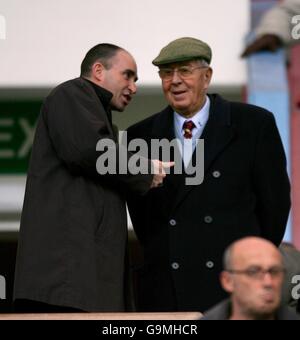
73	234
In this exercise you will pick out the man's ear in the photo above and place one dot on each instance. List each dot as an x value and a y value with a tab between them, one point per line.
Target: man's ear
208	75
226	282
97	71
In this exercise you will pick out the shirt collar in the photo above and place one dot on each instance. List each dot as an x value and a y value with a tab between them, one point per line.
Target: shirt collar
199	119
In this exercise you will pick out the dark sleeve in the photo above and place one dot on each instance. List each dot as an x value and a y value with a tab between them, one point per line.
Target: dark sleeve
76	123
271	182
138	205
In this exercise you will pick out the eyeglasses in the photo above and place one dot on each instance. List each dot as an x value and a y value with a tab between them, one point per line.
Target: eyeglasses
183	72
258	273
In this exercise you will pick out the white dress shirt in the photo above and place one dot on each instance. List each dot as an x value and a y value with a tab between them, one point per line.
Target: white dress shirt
199	119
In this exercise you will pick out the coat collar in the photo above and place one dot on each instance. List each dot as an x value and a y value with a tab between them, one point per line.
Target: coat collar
219	130
101	100
218	122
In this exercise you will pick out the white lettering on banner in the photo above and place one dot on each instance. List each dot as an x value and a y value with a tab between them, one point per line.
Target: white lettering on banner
29	133
6	137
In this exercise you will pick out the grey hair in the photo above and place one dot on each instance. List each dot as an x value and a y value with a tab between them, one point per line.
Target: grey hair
203	62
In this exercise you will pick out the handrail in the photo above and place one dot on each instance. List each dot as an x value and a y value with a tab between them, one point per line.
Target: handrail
103	316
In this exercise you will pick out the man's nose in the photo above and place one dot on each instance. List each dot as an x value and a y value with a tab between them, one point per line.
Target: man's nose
176	78
267	279
132	87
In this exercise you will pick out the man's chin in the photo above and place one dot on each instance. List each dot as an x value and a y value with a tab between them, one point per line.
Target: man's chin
180	107
264	312
118	108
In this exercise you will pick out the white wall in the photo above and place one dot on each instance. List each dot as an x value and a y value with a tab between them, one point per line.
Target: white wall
46	40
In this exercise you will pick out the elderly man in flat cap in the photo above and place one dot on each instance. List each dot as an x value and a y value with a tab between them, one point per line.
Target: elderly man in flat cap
184	229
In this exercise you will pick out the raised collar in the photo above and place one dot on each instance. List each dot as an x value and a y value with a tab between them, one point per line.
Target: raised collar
104	95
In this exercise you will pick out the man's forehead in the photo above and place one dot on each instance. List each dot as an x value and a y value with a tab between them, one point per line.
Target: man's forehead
257	257
124	58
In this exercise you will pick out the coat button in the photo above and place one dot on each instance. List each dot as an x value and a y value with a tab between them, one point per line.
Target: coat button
172	223
208	219
216	174
175	265
210	264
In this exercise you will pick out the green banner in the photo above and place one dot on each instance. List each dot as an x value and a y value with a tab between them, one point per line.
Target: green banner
17	126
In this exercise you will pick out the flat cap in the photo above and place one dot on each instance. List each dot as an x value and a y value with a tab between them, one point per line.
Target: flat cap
183	49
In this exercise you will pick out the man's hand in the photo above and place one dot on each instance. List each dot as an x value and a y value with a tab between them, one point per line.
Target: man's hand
159	172
267	42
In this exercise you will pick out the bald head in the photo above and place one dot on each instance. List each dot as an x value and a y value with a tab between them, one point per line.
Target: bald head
241	251
253	277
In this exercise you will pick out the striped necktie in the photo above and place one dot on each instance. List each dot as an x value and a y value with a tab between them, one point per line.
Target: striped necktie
188	127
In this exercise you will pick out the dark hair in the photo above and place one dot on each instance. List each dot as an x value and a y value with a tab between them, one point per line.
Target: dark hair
100	52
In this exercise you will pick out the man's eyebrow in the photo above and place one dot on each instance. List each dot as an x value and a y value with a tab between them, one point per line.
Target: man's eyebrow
131	73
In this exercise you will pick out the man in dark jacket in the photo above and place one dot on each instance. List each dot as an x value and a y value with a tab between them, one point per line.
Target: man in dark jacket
184	229
253	276
72	243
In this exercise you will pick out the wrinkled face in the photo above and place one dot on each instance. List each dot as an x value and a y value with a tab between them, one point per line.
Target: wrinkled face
257	292
120	79
186	91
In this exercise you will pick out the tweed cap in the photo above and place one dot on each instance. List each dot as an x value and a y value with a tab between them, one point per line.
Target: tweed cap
183	49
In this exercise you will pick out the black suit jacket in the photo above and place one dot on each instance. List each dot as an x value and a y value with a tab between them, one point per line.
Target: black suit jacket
184	230
73	233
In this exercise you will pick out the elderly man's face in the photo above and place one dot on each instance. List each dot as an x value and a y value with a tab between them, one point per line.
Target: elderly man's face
256	284
185	91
